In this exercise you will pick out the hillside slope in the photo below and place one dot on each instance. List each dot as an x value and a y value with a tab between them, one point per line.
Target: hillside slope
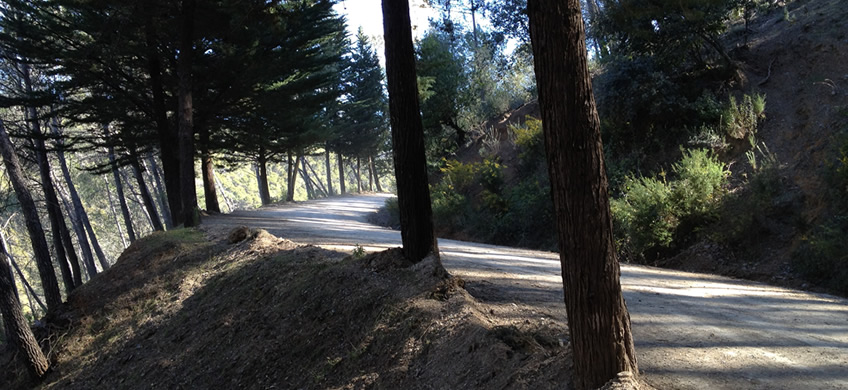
178	311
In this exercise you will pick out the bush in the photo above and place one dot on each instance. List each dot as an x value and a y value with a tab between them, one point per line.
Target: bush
644	217
740	120
700	183
650	215
822	256
531	142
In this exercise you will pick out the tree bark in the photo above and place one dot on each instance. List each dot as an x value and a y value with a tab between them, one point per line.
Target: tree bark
77	210
146	198
374	174
262	178
135	197
161	194
329	171
119	190
33	223
188	192
168	138
597	315
208	173
22	340
416	214
341	174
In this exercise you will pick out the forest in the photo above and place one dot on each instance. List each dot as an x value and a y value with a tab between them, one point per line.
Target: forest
697	135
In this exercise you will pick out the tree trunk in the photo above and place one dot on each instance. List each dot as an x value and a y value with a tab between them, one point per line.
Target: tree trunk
33	223
168	138
597	315
374	174
54	211
22	340
79	231
31	291
310	192
262	178
292	177
329	171
341	174
370	168
77	210
358	174
188	192
416	214
119	190
223	192
316	180
161	195
146	198
128	185
114	213
208	173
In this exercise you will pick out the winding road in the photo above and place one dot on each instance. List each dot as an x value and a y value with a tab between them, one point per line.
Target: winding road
692	331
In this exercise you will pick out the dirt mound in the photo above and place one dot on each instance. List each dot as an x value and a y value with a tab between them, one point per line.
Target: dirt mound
180	311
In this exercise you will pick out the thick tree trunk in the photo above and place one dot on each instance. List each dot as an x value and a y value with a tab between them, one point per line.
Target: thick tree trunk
146	198
77	213
374	174
208	173
168	138
262	178
31	291
416	214
329	171
188	192
33	223
22	340
119	191
114	212
597	315
161	195
341	175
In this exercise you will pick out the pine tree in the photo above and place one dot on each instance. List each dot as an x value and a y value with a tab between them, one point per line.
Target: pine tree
598	320
416	214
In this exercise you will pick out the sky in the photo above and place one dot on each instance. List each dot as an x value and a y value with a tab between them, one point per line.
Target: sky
369	15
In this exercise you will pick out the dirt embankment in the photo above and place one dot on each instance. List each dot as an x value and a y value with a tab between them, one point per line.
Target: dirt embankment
178	311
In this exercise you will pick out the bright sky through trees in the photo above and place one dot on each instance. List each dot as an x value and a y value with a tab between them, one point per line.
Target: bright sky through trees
369	15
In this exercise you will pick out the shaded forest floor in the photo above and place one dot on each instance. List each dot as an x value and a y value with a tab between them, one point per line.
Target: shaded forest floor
182	310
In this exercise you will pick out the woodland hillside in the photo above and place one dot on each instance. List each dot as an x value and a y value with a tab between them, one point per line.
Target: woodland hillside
716	136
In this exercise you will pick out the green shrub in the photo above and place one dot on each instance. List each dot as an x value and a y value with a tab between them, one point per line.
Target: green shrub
490	175
644	217
449	207
822	256
458	176
531	142
651	212
700	183
740	120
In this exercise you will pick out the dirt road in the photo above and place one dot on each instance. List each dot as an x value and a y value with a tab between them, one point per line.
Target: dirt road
692	331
